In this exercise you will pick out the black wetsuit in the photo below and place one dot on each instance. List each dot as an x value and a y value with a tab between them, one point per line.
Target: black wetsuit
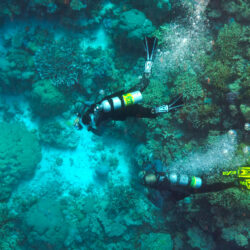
135	110
180	192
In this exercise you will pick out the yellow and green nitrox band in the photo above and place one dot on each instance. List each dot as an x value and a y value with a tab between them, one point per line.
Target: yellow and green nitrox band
193	182
128	99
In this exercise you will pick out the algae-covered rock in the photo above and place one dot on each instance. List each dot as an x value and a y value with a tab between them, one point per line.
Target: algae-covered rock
228	41
237	233
20	152
133	26
200	240
77	5
47	100
245	110
159	241
150	8
238	9
136	24
58	134
47	225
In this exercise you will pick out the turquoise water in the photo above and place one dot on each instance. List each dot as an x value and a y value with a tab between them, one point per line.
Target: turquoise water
65	188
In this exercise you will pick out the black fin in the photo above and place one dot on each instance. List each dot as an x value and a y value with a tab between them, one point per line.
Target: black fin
176	101
150	44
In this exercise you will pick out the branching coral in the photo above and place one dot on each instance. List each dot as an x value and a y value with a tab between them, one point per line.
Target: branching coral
187	84
62	62
218	74
228	41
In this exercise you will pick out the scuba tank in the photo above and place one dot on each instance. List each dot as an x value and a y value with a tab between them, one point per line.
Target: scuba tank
184	180
118	102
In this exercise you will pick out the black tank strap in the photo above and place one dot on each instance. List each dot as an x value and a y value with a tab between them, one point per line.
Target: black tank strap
119	93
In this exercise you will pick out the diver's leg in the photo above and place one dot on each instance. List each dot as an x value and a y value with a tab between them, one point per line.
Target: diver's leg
140	111
215	187
150	44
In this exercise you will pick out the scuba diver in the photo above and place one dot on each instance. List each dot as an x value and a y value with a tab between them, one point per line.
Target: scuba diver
123	104
180	186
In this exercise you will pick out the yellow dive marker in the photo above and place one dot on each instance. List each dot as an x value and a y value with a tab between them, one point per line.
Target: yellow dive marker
243	173
132	98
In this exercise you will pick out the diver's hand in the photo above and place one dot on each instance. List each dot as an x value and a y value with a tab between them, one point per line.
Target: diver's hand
77	123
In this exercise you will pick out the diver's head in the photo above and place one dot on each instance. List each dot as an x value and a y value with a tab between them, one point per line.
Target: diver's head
147	178
150	179
86	120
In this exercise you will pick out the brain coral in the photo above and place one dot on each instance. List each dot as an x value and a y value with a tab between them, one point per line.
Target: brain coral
46	97
20	152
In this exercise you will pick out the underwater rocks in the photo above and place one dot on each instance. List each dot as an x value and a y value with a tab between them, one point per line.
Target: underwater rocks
102	171
10	8
160	241
46	225
78	4
150	8
46	100
17	71
119	214
112	228
237	233
59	134
238	10
20	153
132	27
199	239
245	110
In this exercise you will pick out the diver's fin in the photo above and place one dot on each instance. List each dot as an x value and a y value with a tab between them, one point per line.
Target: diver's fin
150	44
176	102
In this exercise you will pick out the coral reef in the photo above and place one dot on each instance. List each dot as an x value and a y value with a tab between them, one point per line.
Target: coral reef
157	241
61	62
47	100
58	134
50	229
86	193
240	10
131	28
20	153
